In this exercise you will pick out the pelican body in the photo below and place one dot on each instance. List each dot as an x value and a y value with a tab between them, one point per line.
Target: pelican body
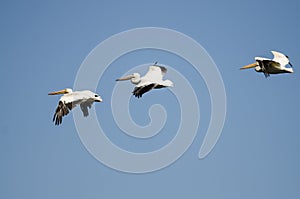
271	66
153	79
70	99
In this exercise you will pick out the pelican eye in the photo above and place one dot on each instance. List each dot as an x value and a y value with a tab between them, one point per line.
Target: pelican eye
96	96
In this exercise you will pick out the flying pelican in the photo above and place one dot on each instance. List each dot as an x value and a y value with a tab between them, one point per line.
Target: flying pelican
69	101
152	80
271	66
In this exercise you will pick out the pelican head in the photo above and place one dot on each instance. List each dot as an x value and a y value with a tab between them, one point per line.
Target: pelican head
65	91
97	98
135	78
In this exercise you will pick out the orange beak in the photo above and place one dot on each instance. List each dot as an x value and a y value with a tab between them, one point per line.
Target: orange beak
58	92
249	66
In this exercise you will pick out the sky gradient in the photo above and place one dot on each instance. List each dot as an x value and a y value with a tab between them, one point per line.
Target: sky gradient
43	44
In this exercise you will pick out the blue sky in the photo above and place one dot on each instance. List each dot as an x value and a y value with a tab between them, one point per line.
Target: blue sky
42	47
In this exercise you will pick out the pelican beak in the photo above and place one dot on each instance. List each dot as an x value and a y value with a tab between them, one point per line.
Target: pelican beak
249	66
125	78
98	99
58	92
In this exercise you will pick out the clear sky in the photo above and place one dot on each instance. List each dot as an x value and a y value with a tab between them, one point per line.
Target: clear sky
42	46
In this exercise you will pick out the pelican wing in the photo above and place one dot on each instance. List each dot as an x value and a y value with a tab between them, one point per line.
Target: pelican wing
140	90
271	65
163	70
66	103
280	58
155	73
84	107
152	80
84	99
61	110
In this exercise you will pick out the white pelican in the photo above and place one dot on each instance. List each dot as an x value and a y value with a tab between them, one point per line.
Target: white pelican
70	99
271	66
152	80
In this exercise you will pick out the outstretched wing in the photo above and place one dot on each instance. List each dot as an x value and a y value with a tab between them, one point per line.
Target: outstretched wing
272	64
140	90
155	73
61	110
280	58
269	67
163	70
65	105
84	107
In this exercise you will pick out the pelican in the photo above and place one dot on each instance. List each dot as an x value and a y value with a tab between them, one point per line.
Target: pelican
271	66
152	80
70	99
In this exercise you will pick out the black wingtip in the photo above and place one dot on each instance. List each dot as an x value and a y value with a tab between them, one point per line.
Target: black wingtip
137	94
